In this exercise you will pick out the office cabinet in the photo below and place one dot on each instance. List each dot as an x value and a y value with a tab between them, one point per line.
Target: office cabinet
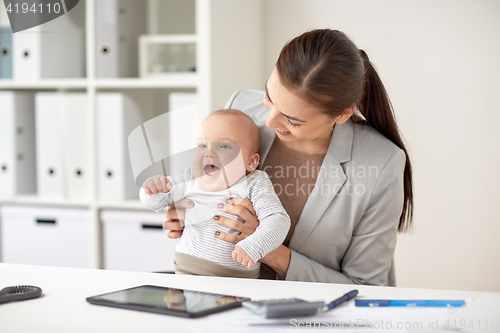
227	37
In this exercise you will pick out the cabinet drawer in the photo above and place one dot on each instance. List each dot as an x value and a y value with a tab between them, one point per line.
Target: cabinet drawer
136	241
46	236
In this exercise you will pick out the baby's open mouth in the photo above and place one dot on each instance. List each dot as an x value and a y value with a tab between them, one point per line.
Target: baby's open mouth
211	170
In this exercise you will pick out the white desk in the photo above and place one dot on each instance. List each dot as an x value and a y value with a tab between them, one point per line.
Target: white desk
62	307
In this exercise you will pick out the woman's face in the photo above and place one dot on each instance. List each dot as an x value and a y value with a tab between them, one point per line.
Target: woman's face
295	119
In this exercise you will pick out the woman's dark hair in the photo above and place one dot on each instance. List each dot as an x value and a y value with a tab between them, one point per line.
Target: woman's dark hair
325	67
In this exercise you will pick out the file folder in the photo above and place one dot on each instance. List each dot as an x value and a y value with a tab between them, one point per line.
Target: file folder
55	49
119	23
49	109
17	143
5	52
117	116
182	128
63	145
77	146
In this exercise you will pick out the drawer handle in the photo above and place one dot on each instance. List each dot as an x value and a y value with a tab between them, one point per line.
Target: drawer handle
152	226
45	221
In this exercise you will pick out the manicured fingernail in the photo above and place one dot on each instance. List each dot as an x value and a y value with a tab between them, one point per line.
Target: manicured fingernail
220	205
191	203
216	217
228	201
217	233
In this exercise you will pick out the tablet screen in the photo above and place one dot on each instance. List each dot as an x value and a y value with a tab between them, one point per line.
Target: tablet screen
178	302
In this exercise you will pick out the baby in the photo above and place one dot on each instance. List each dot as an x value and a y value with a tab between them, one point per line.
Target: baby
224	166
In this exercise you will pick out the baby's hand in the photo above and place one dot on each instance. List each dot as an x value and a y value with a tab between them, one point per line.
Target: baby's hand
242	257
158	184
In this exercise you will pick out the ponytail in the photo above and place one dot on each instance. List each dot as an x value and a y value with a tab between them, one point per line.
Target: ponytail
376	108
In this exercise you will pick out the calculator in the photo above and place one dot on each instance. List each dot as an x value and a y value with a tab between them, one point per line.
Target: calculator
281	308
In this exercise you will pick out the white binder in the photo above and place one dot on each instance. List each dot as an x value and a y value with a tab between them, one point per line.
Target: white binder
117	116
119	23
49	108
17	143
54	49
77	144
183	126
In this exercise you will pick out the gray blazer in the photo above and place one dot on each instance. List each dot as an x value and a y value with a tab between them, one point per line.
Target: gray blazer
347	230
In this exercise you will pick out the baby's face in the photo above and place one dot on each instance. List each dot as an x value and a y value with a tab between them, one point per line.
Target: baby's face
223	152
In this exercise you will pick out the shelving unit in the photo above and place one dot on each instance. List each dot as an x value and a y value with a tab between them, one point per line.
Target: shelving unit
229	57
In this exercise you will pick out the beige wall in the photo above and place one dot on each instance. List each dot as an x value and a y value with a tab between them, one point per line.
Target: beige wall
440	61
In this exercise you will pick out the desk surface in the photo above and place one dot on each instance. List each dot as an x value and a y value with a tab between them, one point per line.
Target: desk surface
62	307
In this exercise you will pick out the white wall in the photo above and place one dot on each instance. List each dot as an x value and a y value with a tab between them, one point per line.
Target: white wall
440	61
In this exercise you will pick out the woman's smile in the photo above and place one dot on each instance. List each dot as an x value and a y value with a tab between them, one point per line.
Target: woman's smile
283	132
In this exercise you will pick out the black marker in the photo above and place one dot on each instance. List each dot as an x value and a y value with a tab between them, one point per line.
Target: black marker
350	295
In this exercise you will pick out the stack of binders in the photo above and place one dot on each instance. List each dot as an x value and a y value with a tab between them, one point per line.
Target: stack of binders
17	143
117	116
63	145
55	49
119	23
5	45
164	144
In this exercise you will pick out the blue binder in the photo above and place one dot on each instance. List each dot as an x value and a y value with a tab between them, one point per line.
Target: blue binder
5	53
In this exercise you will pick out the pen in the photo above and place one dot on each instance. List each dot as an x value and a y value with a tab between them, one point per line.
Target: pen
338	301
410	303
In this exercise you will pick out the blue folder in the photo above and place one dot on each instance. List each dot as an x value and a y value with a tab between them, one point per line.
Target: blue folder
409	303
5	53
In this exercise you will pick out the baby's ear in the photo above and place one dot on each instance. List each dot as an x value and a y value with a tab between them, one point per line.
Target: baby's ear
253	162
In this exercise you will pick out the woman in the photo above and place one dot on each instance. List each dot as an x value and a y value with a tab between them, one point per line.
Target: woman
330	143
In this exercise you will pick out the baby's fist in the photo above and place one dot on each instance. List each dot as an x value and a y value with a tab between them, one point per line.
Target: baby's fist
239	255
158	184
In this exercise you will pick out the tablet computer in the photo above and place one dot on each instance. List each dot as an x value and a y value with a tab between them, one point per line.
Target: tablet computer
169	301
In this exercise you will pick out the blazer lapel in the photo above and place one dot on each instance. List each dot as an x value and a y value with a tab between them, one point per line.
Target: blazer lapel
329	182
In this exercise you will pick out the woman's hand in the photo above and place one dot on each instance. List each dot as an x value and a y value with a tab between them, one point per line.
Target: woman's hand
279	259
176	214
242	208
